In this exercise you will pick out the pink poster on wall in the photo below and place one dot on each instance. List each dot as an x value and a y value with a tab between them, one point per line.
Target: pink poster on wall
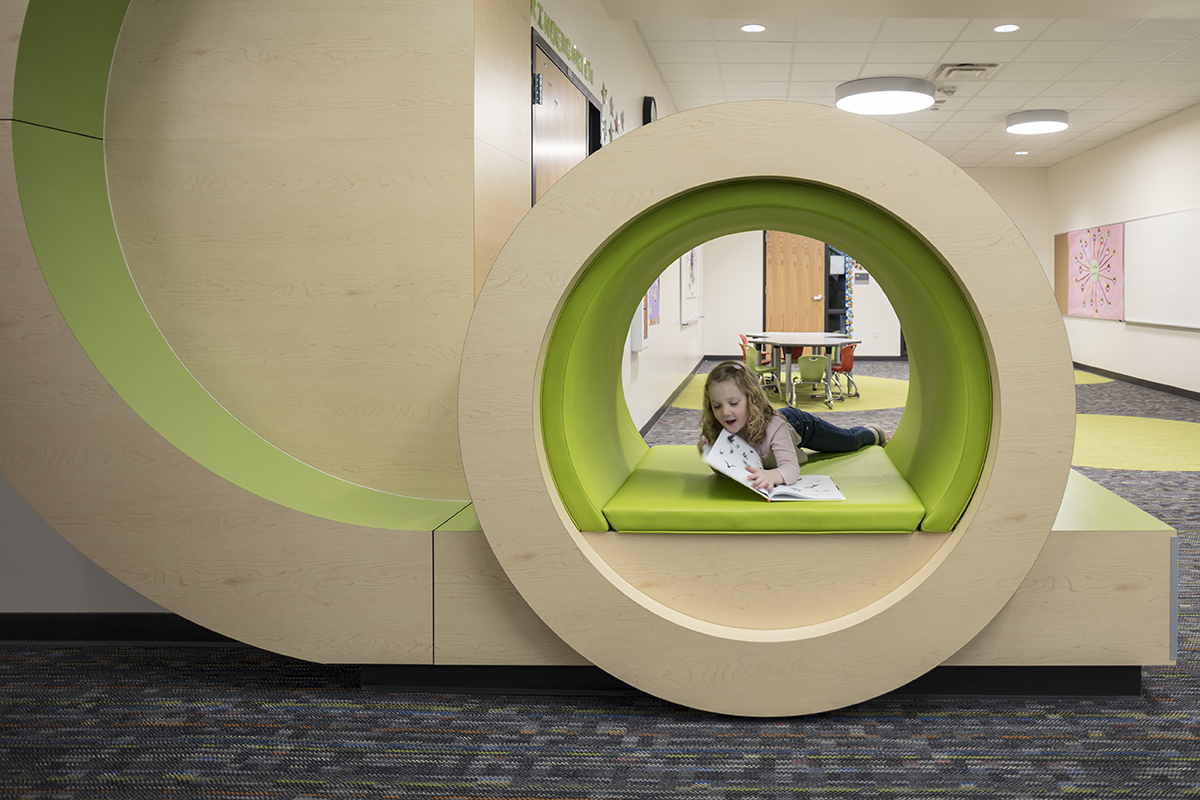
1096	270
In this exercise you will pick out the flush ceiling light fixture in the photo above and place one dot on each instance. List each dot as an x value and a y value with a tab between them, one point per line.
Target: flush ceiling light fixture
753	28
1006	28
1043	120
884	96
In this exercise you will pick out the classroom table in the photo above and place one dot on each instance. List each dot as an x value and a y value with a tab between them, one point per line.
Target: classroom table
831	343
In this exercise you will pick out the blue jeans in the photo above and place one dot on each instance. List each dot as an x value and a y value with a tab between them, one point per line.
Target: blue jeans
825	437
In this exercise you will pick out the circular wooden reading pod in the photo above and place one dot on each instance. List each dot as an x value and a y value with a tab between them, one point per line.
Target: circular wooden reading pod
758	622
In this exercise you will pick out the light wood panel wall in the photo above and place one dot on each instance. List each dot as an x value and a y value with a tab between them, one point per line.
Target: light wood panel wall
1091	598
176	532
12	17
479	617
293	187
503	159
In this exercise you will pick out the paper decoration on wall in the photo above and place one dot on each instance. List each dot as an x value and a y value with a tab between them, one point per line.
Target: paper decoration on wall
852	266
655	297
1096	271
689	288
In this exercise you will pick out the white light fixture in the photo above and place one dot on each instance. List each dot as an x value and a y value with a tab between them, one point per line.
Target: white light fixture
1021	153
1042	120
884	96
753	28
1006	28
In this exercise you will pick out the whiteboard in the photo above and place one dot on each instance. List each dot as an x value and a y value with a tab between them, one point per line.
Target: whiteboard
1162	270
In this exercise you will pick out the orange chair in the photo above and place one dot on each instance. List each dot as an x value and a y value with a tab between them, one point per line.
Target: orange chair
844	367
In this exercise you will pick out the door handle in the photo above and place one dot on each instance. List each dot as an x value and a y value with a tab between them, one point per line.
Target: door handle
818	297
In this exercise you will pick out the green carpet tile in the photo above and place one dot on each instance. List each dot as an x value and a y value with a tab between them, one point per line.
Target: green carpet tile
213	722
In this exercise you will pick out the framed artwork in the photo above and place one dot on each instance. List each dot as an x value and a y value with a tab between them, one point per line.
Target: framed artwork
654	297
1096	272
689	288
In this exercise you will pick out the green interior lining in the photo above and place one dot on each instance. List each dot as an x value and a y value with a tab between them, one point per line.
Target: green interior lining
62	72
939	447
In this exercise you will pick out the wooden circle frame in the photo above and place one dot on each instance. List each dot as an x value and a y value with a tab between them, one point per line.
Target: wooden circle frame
882	645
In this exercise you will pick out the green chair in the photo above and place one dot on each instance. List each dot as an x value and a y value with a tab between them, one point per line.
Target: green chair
767	374
812	372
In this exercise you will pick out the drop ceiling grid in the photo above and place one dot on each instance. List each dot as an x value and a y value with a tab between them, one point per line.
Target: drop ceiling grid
1112	75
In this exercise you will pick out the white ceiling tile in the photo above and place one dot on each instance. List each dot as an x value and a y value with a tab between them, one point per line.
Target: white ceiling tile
942	138
981	30
913	70
992	103
756	72
1039	71
1170	71
1107	101
962	89
907	52
1102	71
1050	100
983	52
967	127
750	90
1148	50
812	88
995	117
1014	88
837	30
1142	115
674	30
689	72
696	89
1081	89
685	52
1078	50
999	137
1097	116
1169	103
777	30
754	52
1164	29
1191	53
1189	89
830	52
920	30
822	101
824	72
1140	88
1075	29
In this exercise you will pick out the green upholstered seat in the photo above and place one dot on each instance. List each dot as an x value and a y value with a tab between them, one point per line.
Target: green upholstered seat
672	491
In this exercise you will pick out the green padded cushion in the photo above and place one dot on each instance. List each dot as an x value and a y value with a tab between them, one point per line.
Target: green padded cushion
590	440
673	491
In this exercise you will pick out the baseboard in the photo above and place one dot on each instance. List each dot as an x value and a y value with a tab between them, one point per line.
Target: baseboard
105	628
963	682
1162	387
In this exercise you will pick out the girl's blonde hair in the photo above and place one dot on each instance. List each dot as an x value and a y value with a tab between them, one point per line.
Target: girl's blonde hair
761	410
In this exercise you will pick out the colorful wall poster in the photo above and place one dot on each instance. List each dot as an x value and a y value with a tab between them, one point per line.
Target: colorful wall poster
1096	272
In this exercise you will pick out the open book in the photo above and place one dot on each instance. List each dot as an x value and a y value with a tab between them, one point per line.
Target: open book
730	456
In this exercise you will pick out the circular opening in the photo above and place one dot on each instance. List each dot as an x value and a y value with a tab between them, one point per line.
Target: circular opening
590	441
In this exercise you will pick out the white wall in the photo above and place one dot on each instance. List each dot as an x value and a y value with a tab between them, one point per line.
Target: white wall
620	62
650	376
875	321
1151	171
733	291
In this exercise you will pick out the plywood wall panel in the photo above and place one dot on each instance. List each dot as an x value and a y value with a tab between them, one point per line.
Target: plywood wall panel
293	188
502	186
479	616
178	533
12	17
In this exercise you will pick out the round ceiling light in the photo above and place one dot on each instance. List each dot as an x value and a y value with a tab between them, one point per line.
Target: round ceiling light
1006	28
1029	123
883	96
753	28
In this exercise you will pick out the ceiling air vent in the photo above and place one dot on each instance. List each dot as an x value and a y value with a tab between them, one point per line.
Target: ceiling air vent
964	72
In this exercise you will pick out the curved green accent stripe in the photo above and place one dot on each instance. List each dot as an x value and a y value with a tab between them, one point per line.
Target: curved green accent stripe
940	445
62	71
65	55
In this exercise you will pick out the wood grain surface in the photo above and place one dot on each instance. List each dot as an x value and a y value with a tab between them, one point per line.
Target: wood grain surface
293	187
12	16
901	633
